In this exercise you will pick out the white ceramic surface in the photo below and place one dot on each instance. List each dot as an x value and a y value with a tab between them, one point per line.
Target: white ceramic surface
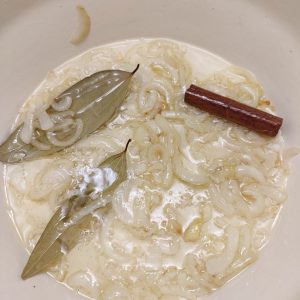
261	35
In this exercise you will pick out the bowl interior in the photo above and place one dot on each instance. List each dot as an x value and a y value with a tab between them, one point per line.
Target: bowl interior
260	35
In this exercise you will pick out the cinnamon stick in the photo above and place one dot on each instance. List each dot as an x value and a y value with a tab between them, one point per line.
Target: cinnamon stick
234	111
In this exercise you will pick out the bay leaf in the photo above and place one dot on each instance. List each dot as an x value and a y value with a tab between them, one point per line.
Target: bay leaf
69	222
95	100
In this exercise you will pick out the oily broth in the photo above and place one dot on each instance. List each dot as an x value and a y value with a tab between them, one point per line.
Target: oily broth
202	194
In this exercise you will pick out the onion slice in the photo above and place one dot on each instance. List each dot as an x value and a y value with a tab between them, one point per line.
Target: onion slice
63	104
83	28
39	145
53	140
218	264
45	120
27	130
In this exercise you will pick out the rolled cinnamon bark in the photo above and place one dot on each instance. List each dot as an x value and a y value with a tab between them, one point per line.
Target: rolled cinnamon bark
233	111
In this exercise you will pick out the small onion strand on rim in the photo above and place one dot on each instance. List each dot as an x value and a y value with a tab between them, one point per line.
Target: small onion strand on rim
84	26
53	140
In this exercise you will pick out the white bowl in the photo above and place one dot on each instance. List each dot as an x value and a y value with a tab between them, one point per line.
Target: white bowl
261	35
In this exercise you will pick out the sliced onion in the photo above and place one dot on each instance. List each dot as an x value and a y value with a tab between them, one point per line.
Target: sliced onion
154	90
27	129
158	152
53	140
168	176
60	116
115	290
220	202
142	136
107	238
66	124
188	172
218	264
122	202
45	120
84	282
63	104
51	181
169	114
195	268
291	152
41	146
89	209
245	241
153	129
172	72
277	195
84	26
164	125
236	83
147	101
254	207
250	171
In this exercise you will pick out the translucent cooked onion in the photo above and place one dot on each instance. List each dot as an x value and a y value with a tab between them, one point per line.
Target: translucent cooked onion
237	83
253	203
251	172
45	120
158	152
65	143
84	282
219	200
169	245
188	172
160	66
122	203
41	146
61	116
291	152
51	181
168	176
63	104
27	129
83	27
116	290
64	126
218	264
152	93
245	241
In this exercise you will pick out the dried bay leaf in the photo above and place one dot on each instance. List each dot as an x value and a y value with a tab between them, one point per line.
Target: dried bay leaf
51	246
93	102
65	228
